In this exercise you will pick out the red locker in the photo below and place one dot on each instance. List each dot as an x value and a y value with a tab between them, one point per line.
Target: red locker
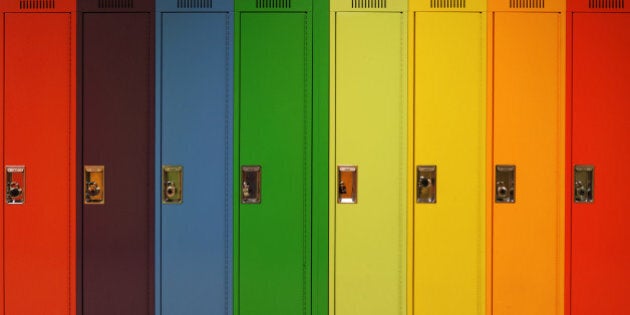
37	90
598	216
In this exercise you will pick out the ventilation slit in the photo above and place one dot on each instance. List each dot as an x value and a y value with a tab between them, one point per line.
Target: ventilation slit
36	4
194	4
370	4
115	4
606	4
270	4
528	4
449	4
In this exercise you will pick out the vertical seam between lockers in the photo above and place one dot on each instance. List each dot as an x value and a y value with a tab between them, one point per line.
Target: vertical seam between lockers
227	168
305	167
401	170
149	83
69	153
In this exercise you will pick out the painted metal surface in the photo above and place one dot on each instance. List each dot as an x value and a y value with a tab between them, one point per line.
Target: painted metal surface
598	236
38	118
368	130
117	96
447	98
280	125
194	130
526	104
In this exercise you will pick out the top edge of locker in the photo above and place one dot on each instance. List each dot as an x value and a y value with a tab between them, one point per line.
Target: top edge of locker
448	5
368	5
274	5
527	5
116	5
38	5
598	6
194	5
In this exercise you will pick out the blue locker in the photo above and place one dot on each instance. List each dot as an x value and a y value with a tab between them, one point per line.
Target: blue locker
194	79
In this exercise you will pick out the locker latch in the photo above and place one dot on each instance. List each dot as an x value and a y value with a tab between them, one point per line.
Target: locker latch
172	184
16	184
250	183
94	184
347	186
426	188
583	190
505	185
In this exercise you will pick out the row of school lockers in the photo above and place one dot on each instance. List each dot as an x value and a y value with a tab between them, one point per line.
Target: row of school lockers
290	157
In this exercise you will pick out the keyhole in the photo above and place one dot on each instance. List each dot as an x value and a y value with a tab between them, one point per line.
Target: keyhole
502	191
170	190
14	190
93	189
425	182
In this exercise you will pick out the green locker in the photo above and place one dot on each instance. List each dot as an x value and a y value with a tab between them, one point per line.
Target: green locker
281	132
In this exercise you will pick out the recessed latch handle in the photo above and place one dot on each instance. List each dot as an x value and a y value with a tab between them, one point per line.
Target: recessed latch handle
583	190
16	184
94	187
251	180
505	187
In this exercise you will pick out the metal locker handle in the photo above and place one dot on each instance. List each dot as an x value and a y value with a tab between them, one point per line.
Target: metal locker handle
251	179
172	184
94	184
426	185
16	184
584	189
347	176
505	186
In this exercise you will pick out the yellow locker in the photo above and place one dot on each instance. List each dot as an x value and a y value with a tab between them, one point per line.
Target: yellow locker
368	150
526	71
447	143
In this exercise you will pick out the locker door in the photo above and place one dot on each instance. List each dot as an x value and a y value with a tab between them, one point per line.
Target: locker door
369	97
38	105
528	122
274	245
118	135
196	134
600	279
449	123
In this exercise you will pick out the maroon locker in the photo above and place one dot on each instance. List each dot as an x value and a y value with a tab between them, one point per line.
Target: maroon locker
116	154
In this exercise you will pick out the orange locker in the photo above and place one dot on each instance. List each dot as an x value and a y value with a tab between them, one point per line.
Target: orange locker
526	71
37	89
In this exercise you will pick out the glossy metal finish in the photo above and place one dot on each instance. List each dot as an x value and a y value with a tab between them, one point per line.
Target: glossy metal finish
117	103
37	89
194	130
